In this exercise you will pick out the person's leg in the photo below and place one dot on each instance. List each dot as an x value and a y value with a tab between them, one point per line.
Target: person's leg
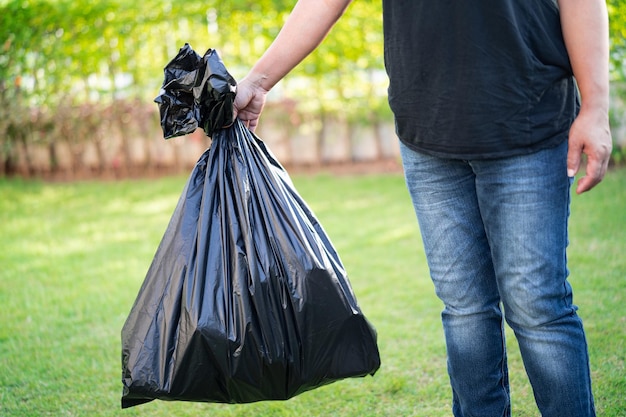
445	201
524	203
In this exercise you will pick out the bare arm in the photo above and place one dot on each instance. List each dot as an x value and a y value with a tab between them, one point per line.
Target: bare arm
585	30
306	27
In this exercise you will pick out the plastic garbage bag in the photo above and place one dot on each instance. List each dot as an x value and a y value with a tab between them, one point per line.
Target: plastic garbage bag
197	92
246	299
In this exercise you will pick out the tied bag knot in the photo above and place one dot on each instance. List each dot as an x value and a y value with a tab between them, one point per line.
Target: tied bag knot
197	92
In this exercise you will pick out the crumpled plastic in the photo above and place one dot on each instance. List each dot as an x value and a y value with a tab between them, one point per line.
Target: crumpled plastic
197	92
246	298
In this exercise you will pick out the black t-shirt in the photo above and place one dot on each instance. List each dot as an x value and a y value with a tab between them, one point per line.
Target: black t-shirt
479	78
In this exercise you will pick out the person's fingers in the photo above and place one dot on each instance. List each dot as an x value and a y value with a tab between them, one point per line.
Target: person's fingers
574	153
596	168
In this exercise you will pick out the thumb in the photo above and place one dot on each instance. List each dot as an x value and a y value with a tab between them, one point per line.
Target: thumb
574	154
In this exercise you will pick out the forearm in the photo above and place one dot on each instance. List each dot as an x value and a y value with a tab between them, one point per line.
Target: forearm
585	30
307	25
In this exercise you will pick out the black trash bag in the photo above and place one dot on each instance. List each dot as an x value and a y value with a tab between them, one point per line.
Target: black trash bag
197	92
246	299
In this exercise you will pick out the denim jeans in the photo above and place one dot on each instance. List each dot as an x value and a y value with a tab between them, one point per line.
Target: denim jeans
495	236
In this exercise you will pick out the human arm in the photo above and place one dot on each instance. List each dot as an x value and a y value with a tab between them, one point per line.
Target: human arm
585	30
305	28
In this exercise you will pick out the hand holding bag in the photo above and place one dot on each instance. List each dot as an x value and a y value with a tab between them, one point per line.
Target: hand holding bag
246	299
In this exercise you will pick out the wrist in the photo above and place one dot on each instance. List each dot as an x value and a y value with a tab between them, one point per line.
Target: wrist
599	107
595	102
260	80
594	96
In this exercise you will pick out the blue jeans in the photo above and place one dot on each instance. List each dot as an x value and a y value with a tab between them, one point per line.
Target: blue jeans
495	234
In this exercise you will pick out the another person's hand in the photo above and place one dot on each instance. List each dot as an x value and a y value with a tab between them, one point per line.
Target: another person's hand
249	101
590	134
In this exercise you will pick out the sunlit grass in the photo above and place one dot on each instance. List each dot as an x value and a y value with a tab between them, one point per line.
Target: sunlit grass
72	258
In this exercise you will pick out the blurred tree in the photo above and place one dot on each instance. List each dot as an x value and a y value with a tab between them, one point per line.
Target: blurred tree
58	54
78	50
617	22
92	51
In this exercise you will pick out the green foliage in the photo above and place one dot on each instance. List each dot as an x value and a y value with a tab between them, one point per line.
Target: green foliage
78	50
68	50
617	29
61	54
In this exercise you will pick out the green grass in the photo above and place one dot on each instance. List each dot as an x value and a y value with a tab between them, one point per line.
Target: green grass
72	258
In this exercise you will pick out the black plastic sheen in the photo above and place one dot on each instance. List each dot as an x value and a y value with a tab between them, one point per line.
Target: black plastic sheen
197	92
246	299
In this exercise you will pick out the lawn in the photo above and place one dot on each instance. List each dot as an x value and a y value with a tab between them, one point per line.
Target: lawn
72	258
